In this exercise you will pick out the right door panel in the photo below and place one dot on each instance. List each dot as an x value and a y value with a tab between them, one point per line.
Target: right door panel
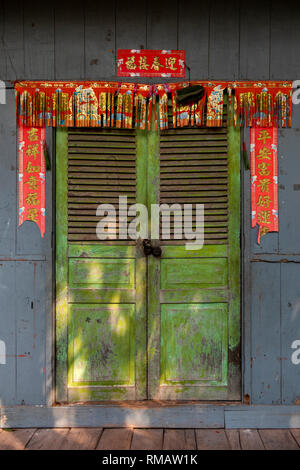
193	300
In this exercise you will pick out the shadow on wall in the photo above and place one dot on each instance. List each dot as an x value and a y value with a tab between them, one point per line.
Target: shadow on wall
96	337
2	352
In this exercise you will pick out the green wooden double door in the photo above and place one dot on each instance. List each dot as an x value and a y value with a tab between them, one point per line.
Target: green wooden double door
131	326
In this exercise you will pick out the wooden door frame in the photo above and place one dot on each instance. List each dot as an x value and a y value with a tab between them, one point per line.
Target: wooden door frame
61	269
234	258
148	141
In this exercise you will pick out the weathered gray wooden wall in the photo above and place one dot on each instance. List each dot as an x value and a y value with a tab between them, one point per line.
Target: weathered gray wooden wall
223	40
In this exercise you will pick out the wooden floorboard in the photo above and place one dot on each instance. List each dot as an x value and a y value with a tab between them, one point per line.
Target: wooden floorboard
278	439
296	435
115	439
15	439
179	439
149	439
250	440
212	439
233	436
82	439
47	439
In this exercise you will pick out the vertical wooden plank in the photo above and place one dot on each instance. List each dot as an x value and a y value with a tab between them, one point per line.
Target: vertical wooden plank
141	273
12	45
39	40
8	333
31	332
47	288
99	40
285	36
250	440
193	34
162	25
246	284
234	255
289	186
131	24
29	240
268	244
290	332
283	65
154	328
255	40
154	325
61	265
69	41
8	156
28	243
2	50
265	333
224	40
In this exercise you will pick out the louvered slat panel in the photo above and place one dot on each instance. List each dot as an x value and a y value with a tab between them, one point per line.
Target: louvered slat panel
101	167
194	169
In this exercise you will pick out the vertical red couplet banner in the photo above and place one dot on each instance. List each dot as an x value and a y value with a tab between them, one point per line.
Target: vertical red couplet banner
264	180
32	176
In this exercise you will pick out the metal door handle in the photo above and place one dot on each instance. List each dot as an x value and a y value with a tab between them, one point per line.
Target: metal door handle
147	247
156	251
151	250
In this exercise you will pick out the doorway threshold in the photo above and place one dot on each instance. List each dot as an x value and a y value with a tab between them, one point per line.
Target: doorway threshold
149	403
185	416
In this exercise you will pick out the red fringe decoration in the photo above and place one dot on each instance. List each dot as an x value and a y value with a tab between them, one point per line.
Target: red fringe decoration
128	105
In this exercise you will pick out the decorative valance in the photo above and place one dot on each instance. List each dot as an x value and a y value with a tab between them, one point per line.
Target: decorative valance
129	105
261	106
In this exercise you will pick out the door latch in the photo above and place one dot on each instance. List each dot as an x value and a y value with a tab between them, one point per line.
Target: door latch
147	247
156	251
151	250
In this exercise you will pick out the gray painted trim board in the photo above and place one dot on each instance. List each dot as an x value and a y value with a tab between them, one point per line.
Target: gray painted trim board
185	416
262	417
173	416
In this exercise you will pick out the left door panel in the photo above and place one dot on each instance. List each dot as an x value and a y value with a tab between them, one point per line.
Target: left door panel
100	285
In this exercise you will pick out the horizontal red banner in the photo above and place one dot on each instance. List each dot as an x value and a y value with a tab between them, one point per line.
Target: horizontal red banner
150	63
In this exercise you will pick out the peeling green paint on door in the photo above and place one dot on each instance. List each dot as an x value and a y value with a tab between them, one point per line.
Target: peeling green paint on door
194	296
131	327
101	296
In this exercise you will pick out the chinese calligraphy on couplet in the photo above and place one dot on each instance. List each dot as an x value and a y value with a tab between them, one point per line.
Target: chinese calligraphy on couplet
32	176
264	180
150	63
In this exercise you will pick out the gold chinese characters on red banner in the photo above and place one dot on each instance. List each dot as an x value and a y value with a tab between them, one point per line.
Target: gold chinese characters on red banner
32	176
129	105
150	63
264	180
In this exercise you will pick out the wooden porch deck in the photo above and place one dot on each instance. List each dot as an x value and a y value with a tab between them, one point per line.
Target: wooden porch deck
149	439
